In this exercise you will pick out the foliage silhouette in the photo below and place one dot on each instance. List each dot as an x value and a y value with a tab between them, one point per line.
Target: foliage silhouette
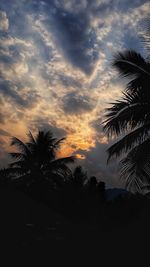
36	160
79	203
130	117
37	172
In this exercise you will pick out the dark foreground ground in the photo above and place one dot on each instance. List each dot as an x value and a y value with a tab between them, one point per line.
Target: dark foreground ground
29	227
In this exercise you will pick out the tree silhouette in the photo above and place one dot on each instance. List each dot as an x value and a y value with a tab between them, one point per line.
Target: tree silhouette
101	190
79	177
130	117
37	159
72	193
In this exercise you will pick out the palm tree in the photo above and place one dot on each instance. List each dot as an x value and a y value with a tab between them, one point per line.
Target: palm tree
36	159
130	117
79	177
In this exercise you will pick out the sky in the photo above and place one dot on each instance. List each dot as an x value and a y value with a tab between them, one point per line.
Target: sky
56	72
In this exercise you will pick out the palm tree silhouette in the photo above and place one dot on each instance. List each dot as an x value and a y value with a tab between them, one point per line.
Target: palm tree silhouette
79	177
36	159
130	117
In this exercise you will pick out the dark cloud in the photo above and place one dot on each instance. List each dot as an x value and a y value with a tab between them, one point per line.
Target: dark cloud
70	24
72	28
72	31
76	38
6	89
69	81
76	104
42	124
8	60
97	125
29	99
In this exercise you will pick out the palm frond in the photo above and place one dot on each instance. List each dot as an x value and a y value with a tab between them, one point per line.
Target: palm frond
31	138
131	63
61	170
64	171
66	160
127	142
18	156
132	115
135	167
19	163
21	145
45	137
39	154
127	118
59	142
140	83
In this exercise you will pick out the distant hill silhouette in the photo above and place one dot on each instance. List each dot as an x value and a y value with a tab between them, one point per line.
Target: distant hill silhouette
113	193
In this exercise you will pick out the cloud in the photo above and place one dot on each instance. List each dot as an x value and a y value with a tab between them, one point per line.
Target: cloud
72	24
4	23
74	6
41	124
69	81
4	133
7	90
75	36
10	91
77	104
74	29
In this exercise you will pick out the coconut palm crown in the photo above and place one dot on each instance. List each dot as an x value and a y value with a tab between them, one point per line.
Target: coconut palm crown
130	117
37	158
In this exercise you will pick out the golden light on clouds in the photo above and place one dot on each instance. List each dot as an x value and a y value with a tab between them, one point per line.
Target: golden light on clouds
79	156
